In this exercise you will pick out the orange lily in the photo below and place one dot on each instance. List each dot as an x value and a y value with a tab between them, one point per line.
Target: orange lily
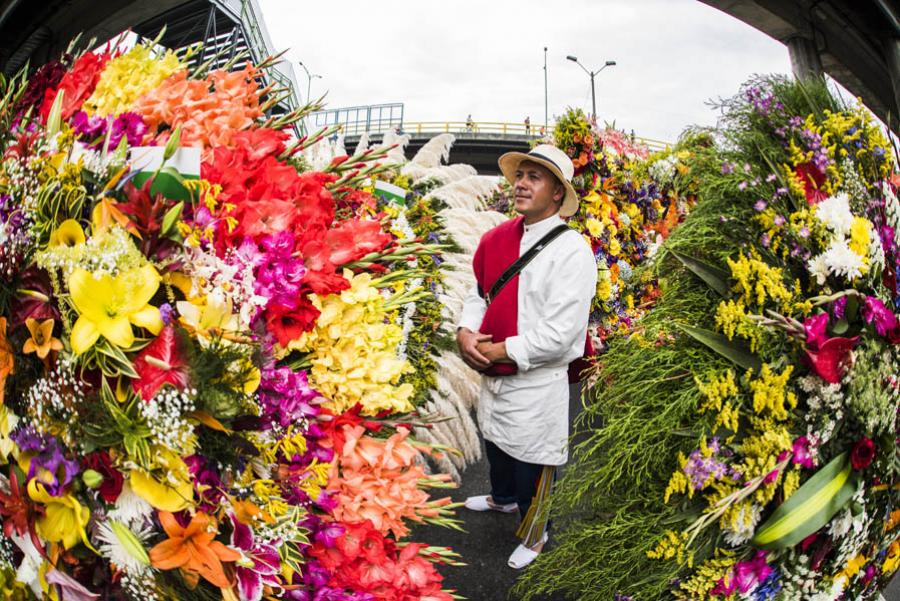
193	549
42	340
7	361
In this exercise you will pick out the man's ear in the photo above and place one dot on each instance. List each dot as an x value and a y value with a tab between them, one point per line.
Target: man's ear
559	192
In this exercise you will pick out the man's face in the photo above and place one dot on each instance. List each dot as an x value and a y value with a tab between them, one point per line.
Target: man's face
537	191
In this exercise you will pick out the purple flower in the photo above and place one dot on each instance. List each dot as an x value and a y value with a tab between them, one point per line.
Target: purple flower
885	321
46	460
802	454
206	481
727	168
760	205
814	327
263	559
779	220
700	469
765	240
838	307
285	396
742	186
804	232
167	313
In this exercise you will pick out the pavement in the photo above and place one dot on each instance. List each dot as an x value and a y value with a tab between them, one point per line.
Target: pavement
490	539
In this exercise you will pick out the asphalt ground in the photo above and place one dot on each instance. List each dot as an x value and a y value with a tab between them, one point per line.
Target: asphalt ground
490	539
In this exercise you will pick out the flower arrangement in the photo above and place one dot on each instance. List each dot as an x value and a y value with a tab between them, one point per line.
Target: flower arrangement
749	450
202	395
630	202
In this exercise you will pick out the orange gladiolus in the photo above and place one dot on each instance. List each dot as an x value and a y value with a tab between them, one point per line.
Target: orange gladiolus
7	360
193	549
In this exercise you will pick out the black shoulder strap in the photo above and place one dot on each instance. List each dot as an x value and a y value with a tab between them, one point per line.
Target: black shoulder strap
522	261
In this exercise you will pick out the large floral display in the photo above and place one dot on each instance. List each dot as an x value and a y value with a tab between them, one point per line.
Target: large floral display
749	448
205	389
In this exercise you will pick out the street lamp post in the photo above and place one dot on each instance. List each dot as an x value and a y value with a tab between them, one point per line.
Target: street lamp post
309	78
545	89
592	74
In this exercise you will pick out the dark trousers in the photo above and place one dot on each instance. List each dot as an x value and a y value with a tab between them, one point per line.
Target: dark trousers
512	481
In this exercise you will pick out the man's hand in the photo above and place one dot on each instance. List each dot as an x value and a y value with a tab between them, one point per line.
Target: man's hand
495	352
468	342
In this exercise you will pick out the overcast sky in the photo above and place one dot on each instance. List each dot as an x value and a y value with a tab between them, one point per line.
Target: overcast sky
445	60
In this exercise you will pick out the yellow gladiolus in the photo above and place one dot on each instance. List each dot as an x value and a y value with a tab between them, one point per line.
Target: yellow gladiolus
64	519
109	305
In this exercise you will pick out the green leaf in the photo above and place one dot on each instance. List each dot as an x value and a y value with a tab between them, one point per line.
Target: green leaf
715	278
171	218
811	507
735	352
840	328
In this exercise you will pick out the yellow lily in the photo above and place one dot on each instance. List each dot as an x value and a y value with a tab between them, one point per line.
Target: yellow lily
64	519
69	233
109	305
174	493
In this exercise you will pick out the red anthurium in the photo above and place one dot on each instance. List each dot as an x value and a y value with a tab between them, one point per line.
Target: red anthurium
162	362
828	361
813	179
287	324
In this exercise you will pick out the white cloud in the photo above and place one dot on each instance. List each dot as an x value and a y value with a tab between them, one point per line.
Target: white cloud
446	60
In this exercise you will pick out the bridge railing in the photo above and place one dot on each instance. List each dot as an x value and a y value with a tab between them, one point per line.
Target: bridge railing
496	128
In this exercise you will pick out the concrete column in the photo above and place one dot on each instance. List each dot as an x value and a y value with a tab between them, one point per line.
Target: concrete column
805	60
892	55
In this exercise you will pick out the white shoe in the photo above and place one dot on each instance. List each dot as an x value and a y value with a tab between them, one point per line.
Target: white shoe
523	556
481	503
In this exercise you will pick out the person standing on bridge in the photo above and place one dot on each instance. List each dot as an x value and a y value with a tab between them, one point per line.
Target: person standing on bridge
527	125
522	326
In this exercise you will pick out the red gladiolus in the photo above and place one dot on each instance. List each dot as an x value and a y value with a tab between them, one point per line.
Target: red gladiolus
288	324
162	362
353	239
829	359
77	85
863	453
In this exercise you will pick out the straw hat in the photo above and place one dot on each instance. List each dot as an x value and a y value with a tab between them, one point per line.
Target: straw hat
553	159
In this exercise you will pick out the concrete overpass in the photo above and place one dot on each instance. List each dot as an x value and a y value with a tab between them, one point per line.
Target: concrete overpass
857	42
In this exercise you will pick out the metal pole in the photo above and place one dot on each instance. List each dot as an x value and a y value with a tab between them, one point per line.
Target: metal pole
545	90
593	97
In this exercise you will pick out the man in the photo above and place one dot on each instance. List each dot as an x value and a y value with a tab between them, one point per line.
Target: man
527	126
523	337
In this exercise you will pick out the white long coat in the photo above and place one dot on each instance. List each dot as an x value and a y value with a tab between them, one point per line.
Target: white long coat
527	414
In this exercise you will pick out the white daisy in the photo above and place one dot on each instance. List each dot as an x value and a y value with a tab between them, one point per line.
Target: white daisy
842	261
124	547
818	269
835	213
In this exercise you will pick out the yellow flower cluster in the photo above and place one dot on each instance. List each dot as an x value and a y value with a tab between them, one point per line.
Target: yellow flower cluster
760	453
859	237
679	482
126	77
731	319
892	560
673	546
839	125
705	578
770	392
353	351
718	391
756	280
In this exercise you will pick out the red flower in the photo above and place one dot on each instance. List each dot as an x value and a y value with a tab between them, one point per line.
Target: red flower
260	142
288	324
354	239
161	362
78	84
100	462
813	179
829	359
863	453
321	276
